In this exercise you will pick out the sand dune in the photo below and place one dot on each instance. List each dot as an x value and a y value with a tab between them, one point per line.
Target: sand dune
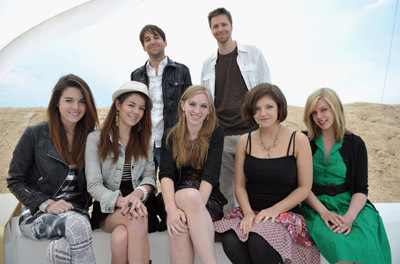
378	125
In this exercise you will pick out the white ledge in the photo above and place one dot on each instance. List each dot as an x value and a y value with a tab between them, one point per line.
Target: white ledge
19	249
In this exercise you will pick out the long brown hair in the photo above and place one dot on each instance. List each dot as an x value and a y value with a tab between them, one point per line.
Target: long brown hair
139	139
182	152
86	124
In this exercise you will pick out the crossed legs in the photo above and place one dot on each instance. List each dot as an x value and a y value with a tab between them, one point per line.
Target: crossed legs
201	230
129	239
70	234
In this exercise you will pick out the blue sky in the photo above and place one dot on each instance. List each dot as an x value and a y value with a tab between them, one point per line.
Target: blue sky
309	44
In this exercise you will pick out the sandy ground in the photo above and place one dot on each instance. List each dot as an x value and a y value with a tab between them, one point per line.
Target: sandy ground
378	125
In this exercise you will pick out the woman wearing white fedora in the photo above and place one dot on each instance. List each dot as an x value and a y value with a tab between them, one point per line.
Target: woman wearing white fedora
120	173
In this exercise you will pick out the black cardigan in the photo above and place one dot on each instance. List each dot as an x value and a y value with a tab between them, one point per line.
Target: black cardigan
211	167
354	154
355	157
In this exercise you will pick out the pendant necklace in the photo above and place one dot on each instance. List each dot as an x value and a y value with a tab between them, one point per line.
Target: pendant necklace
267	148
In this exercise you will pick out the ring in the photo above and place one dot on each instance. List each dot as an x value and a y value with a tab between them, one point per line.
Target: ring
129	204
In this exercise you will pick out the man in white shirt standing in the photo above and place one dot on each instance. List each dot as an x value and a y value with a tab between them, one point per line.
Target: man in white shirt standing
166	80
229	73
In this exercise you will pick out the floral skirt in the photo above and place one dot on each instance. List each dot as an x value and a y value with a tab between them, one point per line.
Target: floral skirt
288	235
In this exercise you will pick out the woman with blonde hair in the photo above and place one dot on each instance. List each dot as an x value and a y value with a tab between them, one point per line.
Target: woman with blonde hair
191	155
47	174
343	223
120	174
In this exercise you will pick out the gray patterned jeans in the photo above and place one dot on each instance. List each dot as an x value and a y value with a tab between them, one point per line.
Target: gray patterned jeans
70	234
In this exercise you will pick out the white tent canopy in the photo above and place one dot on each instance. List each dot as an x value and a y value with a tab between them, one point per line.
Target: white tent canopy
53	28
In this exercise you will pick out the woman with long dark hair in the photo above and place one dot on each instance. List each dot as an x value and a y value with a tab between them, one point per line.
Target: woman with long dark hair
120	173
47	174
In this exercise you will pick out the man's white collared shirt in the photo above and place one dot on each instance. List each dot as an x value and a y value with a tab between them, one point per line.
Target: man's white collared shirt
155	89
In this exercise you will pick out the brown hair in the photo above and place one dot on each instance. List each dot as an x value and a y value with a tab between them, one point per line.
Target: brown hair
86	124
263	89
334	102
217	12
182	152
139	140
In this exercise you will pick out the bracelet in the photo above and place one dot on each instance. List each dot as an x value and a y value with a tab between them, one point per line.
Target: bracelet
144	190
44	205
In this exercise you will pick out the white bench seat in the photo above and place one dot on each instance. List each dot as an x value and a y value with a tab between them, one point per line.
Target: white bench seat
20	250
29	251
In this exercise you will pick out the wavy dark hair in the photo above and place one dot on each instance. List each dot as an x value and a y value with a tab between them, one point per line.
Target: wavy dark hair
85	125
139	139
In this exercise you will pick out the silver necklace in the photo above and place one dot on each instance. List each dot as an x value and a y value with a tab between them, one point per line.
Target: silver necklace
267	148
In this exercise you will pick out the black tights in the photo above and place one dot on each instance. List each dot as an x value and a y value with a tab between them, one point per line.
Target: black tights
255	250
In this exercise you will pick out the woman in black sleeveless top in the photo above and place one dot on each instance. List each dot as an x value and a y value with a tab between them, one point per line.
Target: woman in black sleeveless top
273	174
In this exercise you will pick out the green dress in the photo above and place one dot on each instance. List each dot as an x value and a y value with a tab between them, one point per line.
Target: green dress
367	241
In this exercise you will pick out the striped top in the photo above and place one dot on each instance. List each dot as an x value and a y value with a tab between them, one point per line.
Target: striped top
127	172
69	190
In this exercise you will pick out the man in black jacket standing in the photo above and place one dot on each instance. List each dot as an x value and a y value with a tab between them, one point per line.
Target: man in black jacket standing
166	80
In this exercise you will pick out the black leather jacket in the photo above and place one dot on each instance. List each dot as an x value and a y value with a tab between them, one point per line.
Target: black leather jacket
175	80
37	171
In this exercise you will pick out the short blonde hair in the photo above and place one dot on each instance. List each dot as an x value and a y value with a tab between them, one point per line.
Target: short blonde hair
334	102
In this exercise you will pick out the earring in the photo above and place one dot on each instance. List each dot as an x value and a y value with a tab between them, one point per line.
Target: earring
140	127
117	119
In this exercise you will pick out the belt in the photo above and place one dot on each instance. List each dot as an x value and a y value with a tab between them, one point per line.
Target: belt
330	189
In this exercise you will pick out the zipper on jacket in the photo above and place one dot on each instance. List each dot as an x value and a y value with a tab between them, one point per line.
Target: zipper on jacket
69	169
38	181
